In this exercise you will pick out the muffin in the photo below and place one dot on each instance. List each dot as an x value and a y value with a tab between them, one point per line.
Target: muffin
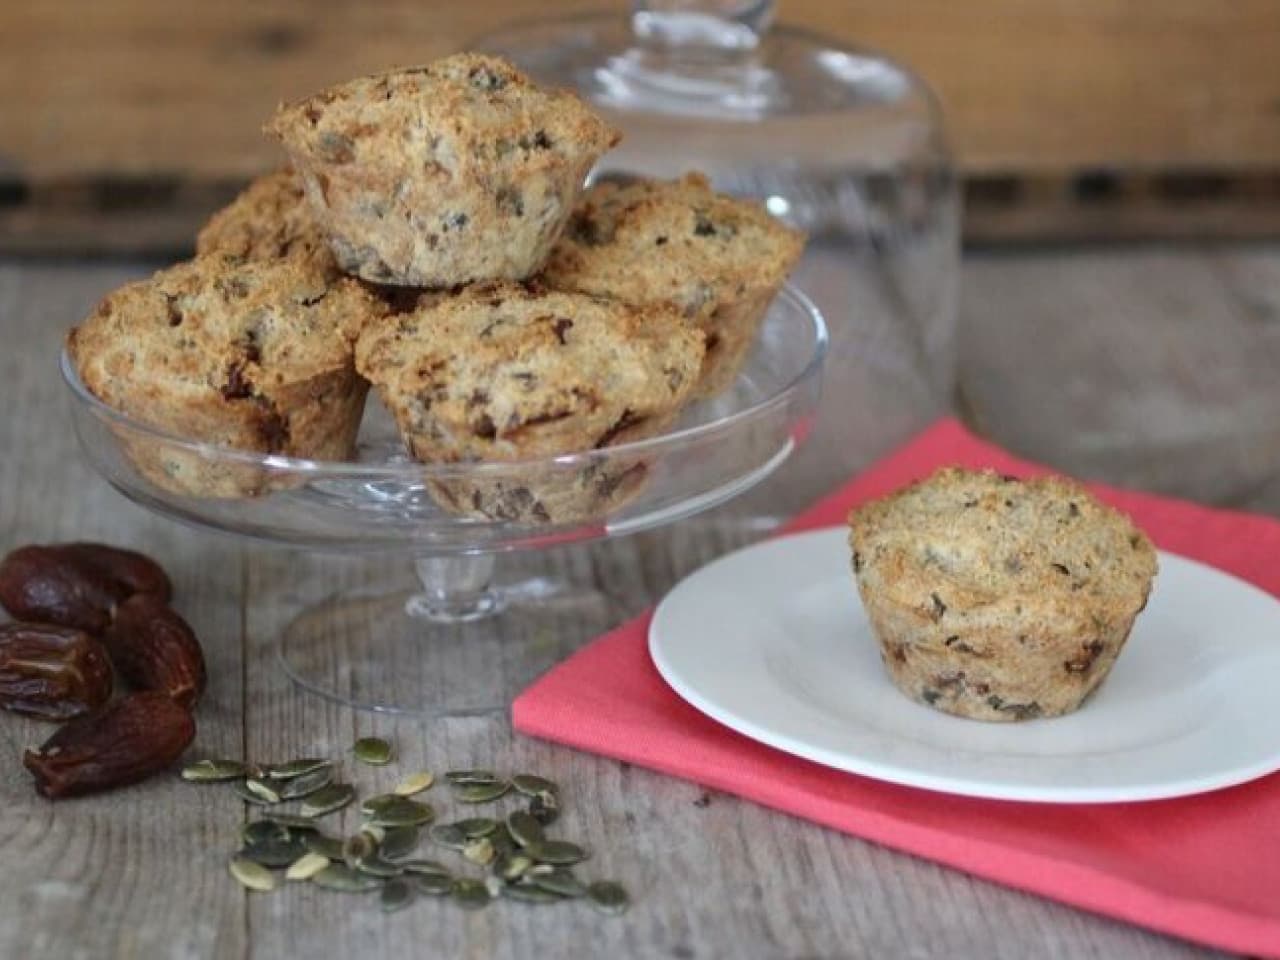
270	220
254	356
717	259
458	171
997	598
512	372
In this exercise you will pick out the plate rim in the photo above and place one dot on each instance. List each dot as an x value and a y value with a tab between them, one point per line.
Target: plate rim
888	773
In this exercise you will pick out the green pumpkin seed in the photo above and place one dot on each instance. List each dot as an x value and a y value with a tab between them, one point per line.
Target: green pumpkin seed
340	877
502	842
531	785
306	784
398	842
559	881
434	884
214	771
425	867
328	847
274	853
262	831
512	866
306	866
414	783
520	891
557	852
479	792
252	876
241	789
545	808
448	835
396	895
374	833
262	790
608	896
376	866
470	894
479	851
297	768
371	805
525	829
403	813
472	776
290	820
328	799
358	848
373	750
476	827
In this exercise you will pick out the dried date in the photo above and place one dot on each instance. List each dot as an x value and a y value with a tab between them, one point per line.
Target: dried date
130	740
52	672
134	571
155	649
50	585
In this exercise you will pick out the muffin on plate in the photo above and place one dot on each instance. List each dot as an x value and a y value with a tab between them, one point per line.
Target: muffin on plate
997	598
511	372
253	356
434	176
717	259
269	220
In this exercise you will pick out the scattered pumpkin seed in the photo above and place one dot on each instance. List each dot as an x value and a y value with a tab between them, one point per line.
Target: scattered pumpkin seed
562	882
261	831
358	848
306	866
531	785
374	833
448	835
479	792
414	783
262	790
328	799
425	867
297	768
376	866
529	894
340	877
557	852
398	842
275	853
327	847
472	776
253	876
373	750
545	808
305	784
290	820
524	828
541	869
434	884
396	895
403	813
608	896
213	771
470	894
512	866
475	827
479	851
371	805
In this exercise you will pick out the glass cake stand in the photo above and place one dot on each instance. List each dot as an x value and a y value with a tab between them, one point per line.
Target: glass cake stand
430	646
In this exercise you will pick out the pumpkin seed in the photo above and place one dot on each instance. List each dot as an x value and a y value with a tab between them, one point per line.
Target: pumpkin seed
374	833
398	842
261	831
531	785
325	846
275	853
545	808
519	891
328	799
512	866
448	835
371	805
403	813
557	852
525	829
340	877
470	894
253	876
358	848
306	866
471	776
306	784
248	796
297	768
213	771
414	783
373	750
475	827
290	820
425	867
264	791
434	884
502	842
396	895
376	866
479	851
608	896
559	881
479	792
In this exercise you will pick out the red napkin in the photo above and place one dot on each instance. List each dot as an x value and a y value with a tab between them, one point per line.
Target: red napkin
1206	868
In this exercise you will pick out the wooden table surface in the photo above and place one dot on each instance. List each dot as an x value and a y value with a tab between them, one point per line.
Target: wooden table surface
1143	366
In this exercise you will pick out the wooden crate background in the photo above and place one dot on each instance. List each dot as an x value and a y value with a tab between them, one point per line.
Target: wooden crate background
123	122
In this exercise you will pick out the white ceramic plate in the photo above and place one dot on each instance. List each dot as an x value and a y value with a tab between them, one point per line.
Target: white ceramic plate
772	641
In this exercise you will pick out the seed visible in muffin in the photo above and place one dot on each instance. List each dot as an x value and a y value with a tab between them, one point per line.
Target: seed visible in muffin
457	171
717	259
997	598
512	372
255	356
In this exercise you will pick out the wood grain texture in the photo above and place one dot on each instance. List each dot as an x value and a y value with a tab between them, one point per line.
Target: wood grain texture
150	86
1095	361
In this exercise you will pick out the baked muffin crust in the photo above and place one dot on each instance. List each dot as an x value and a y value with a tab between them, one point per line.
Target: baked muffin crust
269	220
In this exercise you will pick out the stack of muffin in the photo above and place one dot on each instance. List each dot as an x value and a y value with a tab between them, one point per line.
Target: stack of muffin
432	238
